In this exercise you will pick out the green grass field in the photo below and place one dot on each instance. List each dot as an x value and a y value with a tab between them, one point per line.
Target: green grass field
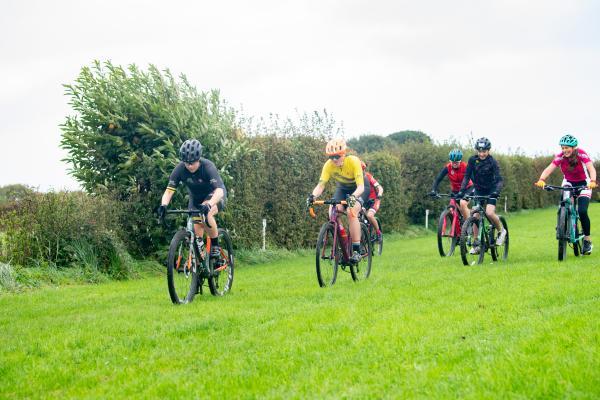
421	327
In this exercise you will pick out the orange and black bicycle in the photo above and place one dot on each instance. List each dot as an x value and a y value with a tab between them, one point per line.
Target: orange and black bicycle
189	265
334	248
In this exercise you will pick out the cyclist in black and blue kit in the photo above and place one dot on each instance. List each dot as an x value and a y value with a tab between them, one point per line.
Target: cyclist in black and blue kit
205	187
484	171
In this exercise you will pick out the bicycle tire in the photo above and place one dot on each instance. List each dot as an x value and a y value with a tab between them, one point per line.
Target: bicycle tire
578	245
220	275
327	270
380	241
500	253
362	269
561	233
442	237
467	242
181	280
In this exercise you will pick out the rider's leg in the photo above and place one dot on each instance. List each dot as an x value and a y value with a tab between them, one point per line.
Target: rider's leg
354	223
372	219
582	206
464	208
490	211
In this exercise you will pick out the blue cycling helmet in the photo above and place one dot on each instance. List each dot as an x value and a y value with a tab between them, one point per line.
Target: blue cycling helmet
455	155
568	140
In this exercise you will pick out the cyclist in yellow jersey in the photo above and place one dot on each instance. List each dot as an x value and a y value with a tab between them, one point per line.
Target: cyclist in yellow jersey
351	186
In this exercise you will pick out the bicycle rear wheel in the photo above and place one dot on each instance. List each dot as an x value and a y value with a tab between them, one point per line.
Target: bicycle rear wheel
328	255
445	239
561	233
469	242
181	269
362	269
220	277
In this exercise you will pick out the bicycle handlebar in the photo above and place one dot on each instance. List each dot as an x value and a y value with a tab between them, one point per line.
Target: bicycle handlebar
191	213
550	188
332	202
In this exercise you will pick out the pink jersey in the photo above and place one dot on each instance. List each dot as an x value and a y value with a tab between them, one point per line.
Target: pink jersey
576	171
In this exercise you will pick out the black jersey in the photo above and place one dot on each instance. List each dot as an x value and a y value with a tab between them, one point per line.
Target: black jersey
485	174
200	183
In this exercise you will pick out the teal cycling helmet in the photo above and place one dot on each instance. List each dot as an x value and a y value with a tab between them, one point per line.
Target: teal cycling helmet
568	140
455	155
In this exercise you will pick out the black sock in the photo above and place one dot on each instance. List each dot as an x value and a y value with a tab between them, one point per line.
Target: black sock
356	247
214	241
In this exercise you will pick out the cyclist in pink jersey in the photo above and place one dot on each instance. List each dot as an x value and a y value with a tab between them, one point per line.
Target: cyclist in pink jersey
578	169
372	205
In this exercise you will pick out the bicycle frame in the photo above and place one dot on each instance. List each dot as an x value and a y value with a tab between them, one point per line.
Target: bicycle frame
334	216
479	209
199	249
568	201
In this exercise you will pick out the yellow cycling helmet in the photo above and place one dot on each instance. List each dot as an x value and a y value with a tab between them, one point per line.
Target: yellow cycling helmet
335	147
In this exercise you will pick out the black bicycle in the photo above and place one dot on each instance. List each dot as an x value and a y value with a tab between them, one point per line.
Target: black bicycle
476	238
568	225
189	265
376	242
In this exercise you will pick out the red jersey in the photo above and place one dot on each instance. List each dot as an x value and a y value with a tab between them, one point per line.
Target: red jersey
374	184
576	171
456	175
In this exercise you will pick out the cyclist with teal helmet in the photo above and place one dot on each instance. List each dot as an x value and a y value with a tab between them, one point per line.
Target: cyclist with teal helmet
455	170
578	170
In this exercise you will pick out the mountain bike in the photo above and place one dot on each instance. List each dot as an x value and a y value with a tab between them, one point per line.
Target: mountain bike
189	264
448	233
334	248
568	226
476	233
376	242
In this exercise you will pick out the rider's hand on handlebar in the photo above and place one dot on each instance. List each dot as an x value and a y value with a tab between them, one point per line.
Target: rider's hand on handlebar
433	193
161	211
593	185
310	200
351	200
204	209
540	183
459	195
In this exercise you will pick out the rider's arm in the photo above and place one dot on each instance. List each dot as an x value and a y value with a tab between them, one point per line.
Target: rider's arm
318	190
166	197
499	179
174	180
591	170
468	174
550	169
325	175
359	190
438	179
215	181
379	190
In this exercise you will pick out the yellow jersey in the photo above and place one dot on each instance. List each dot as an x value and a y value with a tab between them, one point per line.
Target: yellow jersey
349	174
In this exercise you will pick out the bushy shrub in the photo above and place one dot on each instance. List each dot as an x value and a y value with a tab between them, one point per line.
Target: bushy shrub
64	229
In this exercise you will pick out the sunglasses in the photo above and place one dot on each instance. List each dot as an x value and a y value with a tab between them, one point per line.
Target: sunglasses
336	157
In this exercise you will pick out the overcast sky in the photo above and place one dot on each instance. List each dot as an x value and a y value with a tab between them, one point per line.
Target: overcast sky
519	72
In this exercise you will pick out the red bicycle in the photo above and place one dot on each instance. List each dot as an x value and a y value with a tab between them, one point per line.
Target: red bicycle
334	248
448	234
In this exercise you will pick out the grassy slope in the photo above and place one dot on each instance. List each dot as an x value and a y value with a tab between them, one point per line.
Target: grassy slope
420	327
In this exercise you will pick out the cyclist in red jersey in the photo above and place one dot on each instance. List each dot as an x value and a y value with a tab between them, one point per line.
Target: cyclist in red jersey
455	169
374	201
578	170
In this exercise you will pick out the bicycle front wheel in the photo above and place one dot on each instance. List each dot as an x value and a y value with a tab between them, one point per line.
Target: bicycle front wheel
471	250
220	277
500	253
362	269
181	269
562	233
328	253
446	240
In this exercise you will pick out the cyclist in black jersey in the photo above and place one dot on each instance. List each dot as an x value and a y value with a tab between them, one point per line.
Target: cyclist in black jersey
205	187
484	171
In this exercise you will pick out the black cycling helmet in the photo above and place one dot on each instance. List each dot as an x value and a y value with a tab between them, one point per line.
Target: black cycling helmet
483	144
190	151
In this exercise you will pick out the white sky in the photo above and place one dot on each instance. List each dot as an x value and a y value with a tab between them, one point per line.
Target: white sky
519	72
